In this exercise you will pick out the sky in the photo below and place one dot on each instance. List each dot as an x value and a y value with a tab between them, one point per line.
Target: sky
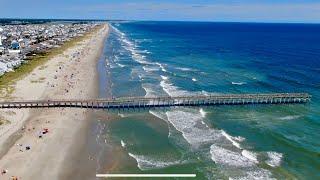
289	11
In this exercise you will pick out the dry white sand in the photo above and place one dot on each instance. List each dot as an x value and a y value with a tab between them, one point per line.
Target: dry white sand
54	156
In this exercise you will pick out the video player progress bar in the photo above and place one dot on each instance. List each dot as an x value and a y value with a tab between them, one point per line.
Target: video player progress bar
145	175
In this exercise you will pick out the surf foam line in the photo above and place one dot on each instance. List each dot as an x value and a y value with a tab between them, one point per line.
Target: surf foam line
184	69
290	117
136	54
161	67
189	123
120	65
238	83
123	144
173	90
203	113
233	161
147	163
147	175
132	48
149	89
150	68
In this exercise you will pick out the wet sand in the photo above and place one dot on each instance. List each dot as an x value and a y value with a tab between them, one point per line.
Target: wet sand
62	151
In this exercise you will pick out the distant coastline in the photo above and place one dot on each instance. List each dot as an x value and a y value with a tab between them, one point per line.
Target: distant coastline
42	21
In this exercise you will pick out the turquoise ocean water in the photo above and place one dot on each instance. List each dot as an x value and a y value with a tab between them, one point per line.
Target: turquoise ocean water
223	142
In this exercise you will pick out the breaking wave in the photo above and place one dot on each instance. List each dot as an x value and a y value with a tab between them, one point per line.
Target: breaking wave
238	83
120	65
164	77
123	144
161	67
227	157
150	68
172	90
202	113
192	129
148	88
274	159
131	47
184	69
147	163
290	117
233	140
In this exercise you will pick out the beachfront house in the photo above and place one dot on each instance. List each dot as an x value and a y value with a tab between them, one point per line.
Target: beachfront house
14	47
1	46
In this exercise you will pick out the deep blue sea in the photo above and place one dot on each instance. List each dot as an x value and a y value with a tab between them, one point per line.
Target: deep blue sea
223	142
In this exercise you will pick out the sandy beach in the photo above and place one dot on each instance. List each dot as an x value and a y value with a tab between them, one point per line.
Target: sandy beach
58	153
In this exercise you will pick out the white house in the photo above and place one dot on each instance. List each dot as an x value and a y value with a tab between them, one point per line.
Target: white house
1	46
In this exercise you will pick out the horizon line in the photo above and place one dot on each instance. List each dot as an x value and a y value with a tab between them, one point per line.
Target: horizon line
200	21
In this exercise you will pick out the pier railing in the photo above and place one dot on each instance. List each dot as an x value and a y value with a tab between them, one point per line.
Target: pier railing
164	101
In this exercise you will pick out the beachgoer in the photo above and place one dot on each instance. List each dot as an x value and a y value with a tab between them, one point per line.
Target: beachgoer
4	171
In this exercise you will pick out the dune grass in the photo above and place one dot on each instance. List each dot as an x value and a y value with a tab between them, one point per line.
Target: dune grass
8	79
2	121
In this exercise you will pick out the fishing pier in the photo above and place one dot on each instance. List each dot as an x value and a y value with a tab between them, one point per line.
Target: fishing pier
164	101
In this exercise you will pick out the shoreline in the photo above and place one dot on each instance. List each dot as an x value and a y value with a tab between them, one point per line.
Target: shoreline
70	74
8	79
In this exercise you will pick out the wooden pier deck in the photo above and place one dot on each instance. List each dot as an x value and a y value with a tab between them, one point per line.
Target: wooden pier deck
144	102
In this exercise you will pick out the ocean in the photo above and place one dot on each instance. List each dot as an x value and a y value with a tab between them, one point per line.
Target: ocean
202	58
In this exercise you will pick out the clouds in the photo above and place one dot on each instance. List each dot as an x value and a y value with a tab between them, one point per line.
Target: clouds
221	10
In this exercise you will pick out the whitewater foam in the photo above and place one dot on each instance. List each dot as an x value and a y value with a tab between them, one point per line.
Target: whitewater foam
231	139
188	121
274	159
159	114
164	77
250	155
184	69
203	113
120	65
150	68
144	51
256	174
121	115
162	115
229	158
289	117
132	48
149	90
161	67
147	163
172	90
123	144
188	124
238	83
